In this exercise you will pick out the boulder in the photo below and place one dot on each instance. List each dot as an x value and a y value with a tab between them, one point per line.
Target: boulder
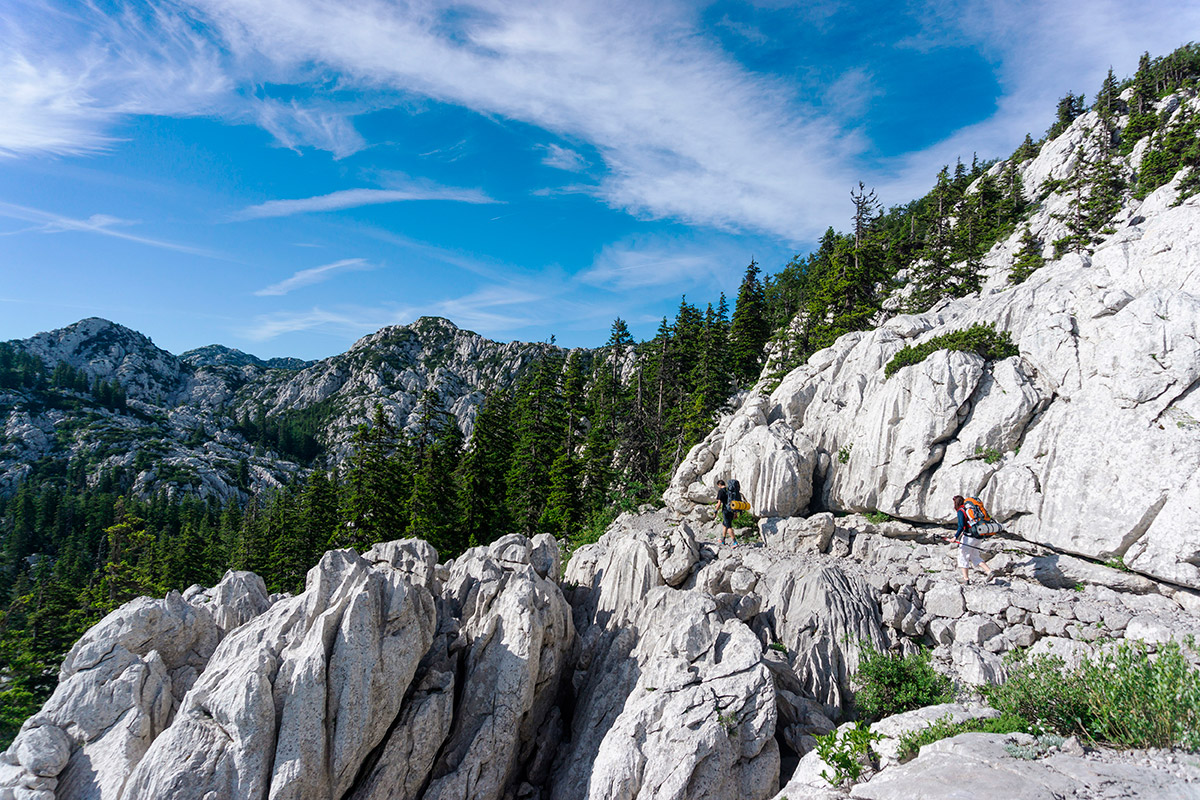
945	600
677	554
976	765
898	725
238	598
798	534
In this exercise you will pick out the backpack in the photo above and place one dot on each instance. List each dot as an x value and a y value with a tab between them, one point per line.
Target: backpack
736	503
979	521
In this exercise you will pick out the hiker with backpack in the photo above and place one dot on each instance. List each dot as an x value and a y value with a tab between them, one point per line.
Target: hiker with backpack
726	495
972	519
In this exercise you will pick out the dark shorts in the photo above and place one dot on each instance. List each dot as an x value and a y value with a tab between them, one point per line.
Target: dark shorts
727	515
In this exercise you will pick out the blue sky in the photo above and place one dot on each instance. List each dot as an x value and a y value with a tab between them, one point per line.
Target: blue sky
285	176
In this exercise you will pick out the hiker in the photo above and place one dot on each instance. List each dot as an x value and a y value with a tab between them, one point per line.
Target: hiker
970	548
726	513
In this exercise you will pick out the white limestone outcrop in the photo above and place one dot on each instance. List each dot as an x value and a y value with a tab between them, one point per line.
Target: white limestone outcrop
1086	442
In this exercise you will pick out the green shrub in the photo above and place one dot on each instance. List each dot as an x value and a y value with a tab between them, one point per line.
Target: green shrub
744	519
844	453
848	753
984	340
888	684
911	743
1124	697
876	517
990	455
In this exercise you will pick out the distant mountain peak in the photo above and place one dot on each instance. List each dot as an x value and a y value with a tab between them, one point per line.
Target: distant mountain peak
218	355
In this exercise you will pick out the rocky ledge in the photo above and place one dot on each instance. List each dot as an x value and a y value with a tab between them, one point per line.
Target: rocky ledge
658	666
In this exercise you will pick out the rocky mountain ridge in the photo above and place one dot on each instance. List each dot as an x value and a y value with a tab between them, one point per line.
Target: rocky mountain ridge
658	666
1088	441
180	427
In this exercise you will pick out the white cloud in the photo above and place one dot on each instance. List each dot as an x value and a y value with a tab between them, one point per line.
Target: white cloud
623	268
307	277
684	130
563	158
353	198
101	224
69	75
270	326
294	126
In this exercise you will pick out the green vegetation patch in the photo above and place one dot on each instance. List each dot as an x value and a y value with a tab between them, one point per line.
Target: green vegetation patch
982	339
944	728
847	752
1124	697
888	683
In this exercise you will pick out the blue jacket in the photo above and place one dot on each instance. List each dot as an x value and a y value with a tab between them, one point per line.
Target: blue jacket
962	524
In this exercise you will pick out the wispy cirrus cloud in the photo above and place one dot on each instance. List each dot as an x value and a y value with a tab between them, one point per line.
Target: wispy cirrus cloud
296	125
353	198
683	129
307	277
563	158
99	224
71	72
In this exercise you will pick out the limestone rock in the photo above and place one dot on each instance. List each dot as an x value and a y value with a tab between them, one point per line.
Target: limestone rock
894	727
976	765
822	617
238	598
293	701
677	554
516	633
945	600
689	712
118	689
798	534
43	750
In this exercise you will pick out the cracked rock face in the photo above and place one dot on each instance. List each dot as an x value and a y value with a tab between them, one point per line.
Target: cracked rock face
674	699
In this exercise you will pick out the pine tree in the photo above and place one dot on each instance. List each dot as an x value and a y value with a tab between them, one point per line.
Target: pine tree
1095	190
1142	119
1026	150
564	507
539	424
1169	152
935	274
1028	259
130	568
483	507
607	398
749	331
374	502
1108	98
437	450
1069	107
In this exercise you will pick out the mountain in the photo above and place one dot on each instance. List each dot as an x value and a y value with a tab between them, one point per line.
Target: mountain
216	355
178	425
